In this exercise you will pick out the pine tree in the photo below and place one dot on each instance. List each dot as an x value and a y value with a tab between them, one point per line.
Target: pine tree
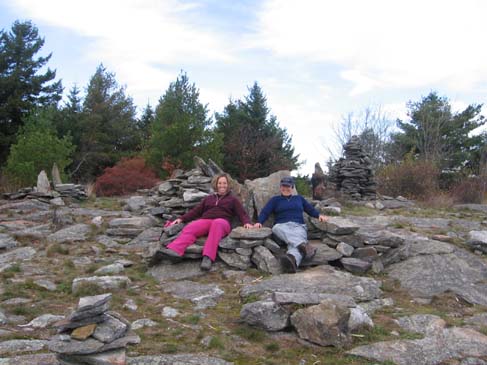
22	87
181	128
254	145
107	126
434	133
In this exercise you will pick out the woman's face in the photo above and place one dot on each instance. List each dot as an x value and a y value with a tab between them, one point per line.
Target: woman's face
222	186
286	190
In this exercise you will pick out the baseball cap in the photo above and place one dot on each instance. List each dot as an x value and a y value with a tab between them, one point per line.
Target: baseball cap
287	181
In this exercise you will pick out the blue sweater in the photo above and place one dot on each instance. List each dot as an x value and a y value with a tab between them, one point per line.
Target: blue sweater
287	209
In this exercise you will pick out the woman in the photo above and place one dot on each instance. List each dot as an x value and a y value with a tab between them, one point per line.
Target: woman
212	217
289	224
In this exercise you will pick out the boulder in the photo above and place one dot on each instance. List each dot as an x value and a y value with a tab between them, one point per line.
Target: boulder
325	324
267	315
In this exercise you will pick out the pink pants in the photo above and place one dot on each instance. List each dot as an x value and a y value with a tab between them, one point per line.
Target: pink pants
216	229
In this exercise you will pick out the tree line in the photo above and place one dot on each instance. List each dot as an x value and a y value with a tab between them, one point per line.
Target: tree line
94	129
86	134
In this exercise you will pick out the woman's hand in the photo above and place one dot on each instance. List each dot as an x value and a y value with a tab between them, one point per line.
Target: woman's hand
323	218
248	225
257	225
177	221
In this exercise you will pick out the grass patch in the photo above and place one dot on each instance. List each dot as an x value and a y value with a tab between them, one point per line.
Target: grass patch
357	209
57	249
88	289
251	333
272	347
216	343
192	319
105	203
10	271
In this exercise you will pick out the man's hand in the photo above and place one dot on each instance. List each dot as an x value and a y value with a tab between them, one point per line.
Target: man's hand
323	218
257	225
248	225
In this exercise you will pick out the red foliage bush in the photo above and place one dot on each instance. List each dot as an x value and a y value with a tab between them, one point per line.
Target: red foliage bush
470	190
125	177
412	178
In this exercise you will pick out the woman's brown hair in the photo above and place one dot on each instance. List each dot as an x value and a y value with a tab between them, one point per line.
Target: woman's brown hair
214	181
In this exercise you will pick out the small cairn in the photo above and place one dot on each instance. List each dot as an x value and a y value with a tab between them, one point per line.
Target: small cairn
353	175
92	334
184	189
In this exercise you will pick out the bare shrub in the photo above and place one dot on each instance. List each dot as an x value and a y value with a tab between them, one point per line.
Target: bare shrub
414	179
470	190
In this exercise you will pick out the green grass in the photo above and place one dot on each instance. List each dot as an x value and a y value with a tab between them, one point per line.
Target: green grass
251	333
57	248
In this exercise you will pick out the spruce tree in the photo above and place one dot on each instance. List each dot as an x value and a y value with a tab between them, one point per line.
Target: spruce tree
22	86
181	129
254	144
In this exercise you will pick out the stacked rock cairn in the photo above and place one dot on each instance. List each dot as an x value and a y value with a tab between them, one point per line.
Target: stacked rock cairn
353	175
92	334
185	189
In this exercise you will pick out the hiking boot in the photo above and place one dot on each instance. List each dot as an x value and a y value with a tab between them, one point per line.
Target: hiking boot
165	254
288	263
307	251
206	263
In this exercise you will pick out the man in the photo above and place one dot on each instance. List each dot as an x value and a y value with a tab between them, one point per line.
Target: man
289	224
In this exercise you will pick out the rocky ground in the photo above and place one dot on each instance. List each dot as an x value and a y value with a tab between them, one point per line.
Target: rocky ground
426	304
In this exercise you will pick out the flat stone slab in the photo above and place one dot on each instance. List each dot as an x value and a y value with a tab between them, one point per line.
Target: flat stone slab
324	254
460	272
336	225
203	295
19	346
134	222
242	233
43	321
89	346
17	254
182	270
186	359
39	359
452	343
7	241
426	324
76	233
104	282
321	279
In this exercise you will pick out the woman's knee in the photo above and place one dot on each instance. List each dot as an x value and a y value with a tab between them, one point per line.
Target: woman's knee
220	222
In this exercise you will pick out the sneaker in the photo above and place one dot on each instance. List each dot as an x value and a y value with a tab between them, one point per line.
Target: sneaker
307	251
206	263
166	254
288	263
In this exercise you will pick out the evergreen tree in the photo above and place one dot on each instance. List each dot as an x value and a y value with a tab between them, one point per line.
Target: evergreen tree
254	145
181	129
436	134
69	120
37	148
107	126
144	125
22	87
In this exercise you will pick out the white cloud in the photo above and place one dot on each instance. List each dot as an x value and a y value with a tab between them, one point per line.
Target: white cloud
141	41
382	43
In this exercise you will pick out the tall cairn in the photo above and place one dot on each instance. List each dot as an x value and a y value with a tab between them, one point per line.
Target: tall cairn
353	175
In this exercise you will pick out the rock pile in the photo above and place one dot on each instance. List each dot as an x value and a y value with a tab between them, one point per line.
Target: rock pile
44	192
92	334
336	241
353	174
177	195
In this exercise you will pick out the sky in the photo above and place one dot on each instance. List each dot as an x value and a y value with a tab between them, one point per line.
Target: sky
316	61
